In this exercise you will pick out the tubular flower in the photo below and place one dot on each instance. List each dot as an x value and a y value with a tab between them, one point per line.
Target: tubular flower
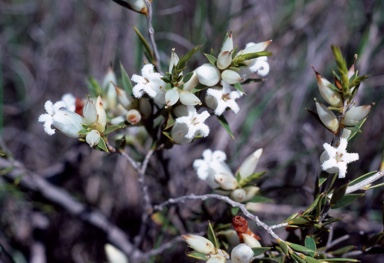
151	83
61	118
336	159
194	122
220	99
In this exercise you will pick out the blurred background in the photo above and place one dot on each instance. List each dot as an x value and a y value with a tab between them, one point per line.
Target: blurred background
48	48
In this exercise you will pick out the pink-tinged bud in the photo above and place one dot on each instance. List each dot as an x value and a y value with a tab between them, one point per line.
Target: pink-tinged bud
114	255
208	74
327	117
224	59
354	115
93	138
242	253
67	122
173	61
226	181
189	99
231	77
238	195
251	241
199	244
133	116
329	95
249	164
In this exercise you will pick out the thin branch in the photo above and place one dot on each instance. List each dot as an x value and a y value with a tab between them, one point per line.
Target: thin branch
226	199
151	33
33	182
364	183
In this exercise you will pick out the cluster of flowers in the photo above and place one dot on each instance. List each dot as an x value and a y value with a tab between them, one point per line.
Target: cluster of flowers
339	96
219	176
174	96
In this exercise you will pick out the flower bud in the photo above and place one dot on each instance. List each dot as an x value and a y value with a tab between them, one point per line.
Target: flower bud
242	253
224	59
226	181
329	95
101	115
114	255
199	244
354	115
89	112
216	259
133	116
123	98
231	77
252	47
189	99
327	117
192	82
109	83
135	5
208	75
67	122
93	138
171	96
250	192
231	236
249	164
251	241
228	43
173	61
178	133
346	134
238	195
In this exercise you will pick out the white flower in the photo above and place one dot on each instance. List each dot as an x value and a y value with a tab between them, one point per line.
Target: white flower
337	158
151	83
70	101
220	99
195	123
57	115
212	164
260	66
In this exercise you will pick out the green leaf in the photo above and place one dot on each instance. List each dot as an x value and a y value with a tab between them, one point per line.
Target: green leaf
245	181
310	243
198	255
239	87
126	81
362	178
300	221
343	70
311	259
260	199
301	248
211	58
234	210
284	247
147	49
183	62
346	200
342	250
338	194
212	236
259	250
187	77
102	145
112	128
297	258
225	125
341	260
376	239
94	87
241	58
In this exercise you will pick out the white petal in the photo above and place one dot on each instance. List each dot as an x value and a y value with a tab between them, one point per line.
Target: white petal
93	138
171	96
188	98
